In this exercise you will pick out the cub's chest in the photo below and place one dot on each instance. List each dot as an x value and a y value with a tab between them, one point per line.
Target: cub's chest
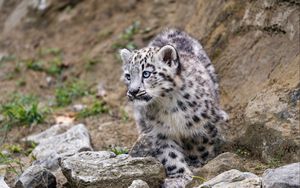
174	123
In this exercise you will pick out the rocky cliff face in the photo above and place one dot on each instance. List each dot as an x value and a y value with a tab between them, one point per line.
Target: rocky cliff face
255	48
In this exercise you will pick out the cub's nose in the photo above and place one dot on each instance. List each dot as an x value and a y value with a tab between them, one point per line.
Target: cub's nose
132	92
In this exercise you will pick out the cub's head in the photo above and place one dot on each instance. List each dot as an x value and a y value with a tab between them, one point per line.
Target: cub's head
150	73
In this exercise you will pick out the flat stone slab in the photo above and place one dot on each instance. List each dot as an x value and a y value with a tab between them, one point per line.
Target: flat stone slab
233	179
45	135
104	169
287	176
74	140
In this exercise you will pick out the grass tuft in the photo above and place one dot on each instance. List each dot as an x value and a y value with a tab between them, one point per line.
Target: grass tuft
97	108
14	165
119	150
22	110
65	95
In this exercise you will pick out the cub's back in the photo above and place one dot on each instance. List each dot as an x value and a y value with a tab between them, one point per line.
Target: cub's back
184	43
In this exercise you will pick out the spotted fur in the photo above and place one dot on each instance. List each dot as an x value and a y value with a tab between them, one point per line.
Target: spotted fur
173	87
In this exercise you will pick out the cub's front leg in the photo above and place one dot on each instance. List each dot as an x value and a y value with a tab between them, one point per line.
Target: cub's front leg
168	153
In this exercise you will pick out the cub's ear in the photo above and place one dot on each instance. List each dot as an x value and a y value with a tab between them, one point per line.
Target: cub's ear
125	55
167	54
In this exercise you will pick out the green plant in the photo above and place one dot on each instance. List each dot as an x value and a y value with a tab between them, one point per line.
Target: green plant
15	148
274	162
35	65
7	58
242	152
124	115
55	66
65	95
30	147
119	150
22	110
50	51
21	83
97	108
259	167
52	67
14	165
200	179
90	63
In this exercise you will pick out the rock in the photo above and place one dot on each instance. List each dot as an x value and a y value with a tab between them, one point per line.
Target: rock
223	162
233	178
271	126
4	185
36	177
105	170
49	162
74	140
260	81
287	176
2	118
57	142
139	184
61	180
101	91
52	131
79	107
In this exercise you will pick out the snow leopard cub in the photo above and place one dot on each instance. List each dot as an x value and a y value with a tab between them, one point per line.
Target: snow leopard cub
173	87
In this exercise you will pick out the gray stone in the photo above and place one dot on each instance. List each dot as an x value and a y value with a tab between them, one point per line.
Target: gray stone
139	184
2	183
49	162
273	133
223	162
79	107
57	141
233	179
74	140
45	135
36	177
287	176
104	170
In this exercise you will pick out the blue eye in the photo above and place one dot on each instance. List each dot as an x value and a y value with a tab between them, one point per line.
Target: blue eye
146	74
127	76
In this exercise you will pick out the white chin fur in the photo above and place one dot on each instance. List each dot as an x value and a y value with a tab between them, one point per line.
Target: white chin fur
140	102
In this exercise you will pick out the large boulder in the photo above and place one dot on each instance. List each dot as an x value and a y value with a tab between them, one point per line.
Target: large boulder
106	170
233	178
272	126
74	140
287	176
223	162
